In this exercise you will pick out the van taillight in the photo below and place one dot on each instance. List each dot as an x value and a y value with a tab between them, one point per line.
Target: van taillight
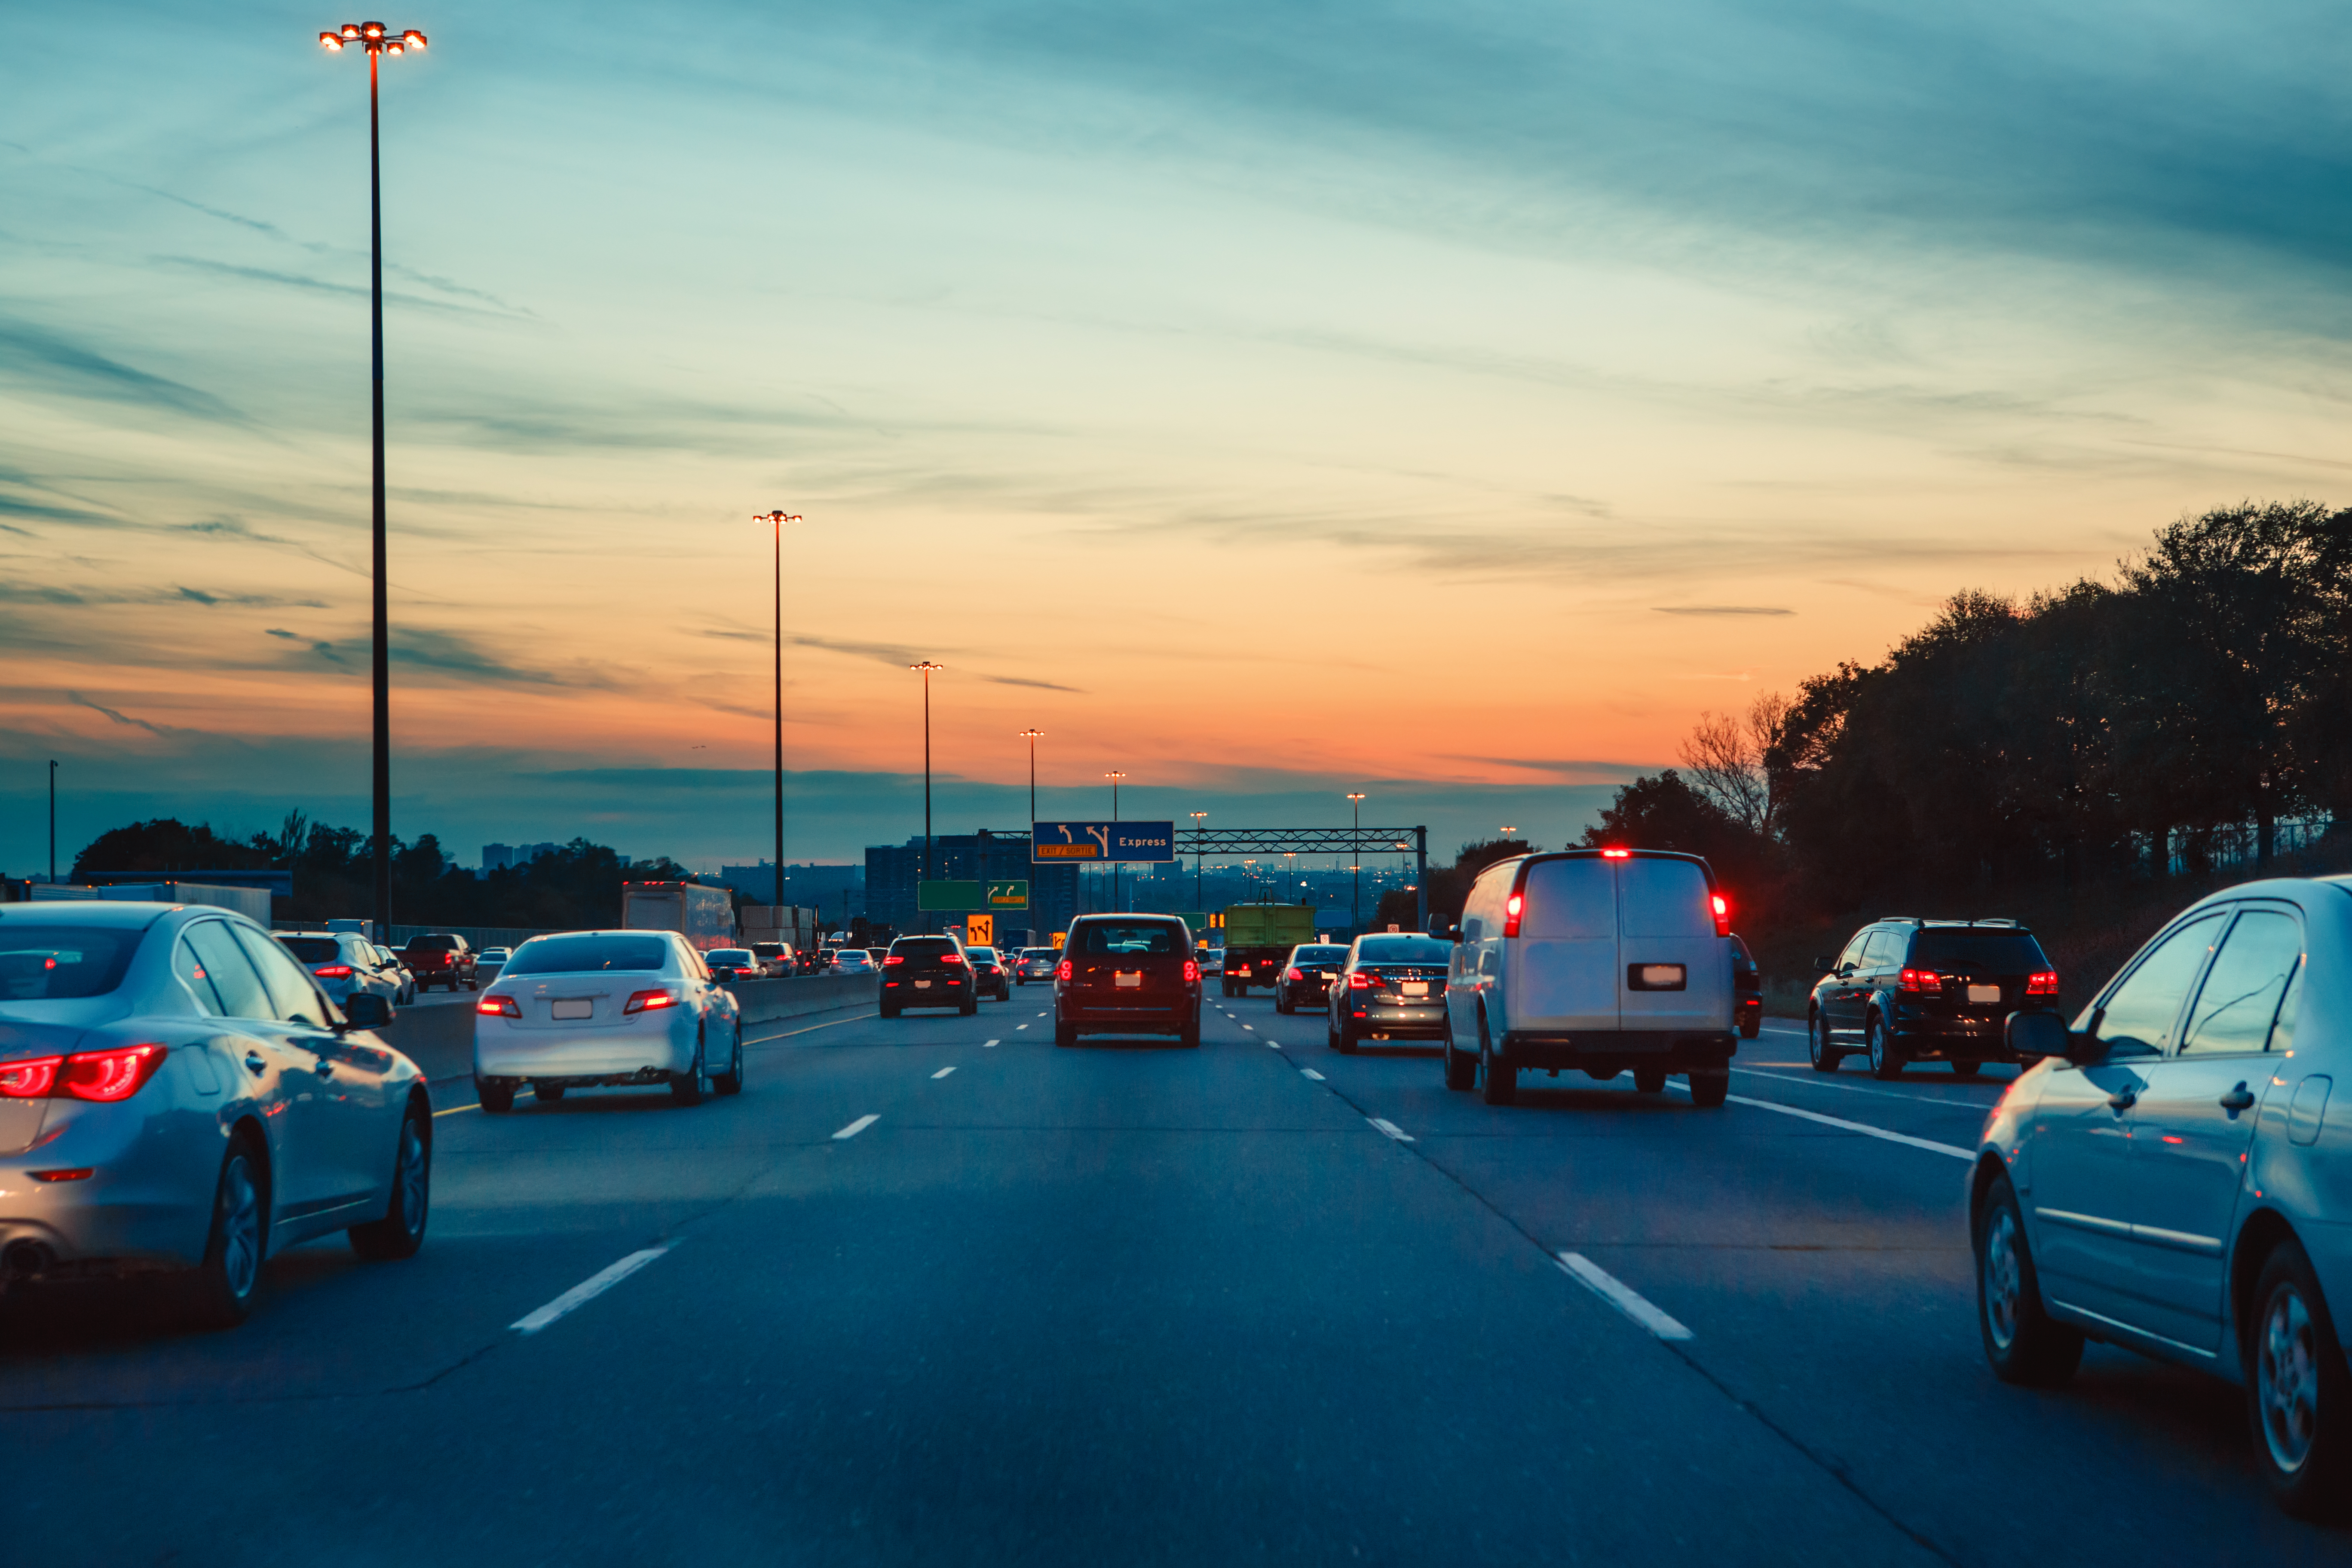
1919	980
1511	909
1064	970
1191	973
1722	915
2043	984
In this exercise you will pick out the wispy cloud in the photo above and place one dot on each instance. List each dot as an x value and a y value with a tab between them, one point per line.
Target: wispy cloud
122	718
53	363
1721	610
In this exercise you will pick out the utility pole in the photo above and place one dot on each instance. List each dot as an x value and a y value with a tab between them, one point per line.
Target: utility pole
1114	777
1198	818
1356	856
779	518
52	821
928	669
1032	736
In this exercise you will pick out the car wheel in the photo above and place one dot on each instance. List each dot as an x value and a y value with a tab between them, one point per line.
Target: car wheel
1825	1057
1461	1067
222	1292
1886	1061
550	1092
2298	1395
732	1080
1064	1035
1709	1089
1751	1028
401	1231
1281	1003
686	1088
1963	1067
1346	1038
966	1008
473	983
1650	1080
497	1098
1499	1081
1190	1036
2025	1344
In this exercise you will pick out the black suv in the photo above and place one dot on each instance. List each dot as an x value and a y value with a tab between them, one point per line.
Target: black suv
927	972
1904	989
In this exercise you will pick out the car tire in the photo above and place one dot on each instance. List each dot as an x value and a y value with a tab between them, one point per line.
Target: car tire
497	1098
1281	1003
1649	1080
732	1080
1878	1044
548	1092
472	984
2298	1393
1965	1066
1709	1088
1461	1067
224	1287
1064	1035
1824	1056
1345	1039
1189	1036
1498	1081
401	1231
2023	1343
686	1088
967	1007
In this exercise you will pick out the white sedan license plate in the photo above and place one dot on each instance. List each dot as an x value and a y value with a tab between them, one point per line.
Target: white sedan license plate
1984	994
570	1007
1134	979
1415	987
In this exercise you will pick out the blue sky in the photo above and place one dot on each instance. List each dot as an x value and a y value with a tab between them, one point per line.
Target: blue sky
1262	399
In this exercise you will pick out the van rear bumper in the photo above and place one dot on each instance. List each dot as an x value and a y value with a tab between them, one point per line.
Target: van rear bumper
1608	1051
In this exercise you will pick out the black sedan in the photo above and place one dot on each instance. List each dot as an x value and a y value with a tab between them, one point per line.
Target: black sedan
1307	976
1391	987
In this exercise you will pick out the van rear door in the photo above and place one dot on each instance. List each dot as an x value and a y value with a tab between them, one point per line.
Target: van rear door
1673	973
1564	969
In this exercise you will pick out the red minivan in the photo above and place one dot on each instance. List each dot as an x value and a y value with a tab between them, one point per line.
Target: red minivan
1127	974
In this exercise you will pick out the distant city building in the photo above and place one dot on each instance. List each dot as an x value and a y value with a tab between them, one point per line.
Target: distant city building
893	869
506	857
817	885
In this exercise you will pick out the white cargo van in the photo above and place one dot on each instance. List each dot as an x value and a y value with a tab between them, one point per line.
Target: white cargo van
1599	960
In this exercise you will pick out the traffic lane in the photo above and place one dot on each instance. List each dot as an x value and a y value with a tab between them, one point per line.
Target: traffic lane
1827	1279
986	1336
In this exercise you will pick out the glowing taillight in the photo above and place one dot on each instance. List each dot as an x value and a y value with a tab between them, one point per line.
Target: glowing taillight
2043	984
1359	982
646	1000
1293	974
1919	980
111	1074
1512	909
1191	973
1063	970
951	958
891	959
1616	854
505	1007
334	971
29	1080
1722	915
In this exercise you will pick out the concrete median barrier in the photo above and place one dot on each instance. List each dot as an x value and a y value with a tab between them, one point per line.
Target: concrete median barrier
439	1040
801	996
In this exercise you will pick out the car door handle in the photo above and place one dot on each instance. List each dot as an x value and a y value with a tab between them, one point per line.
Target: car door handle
254	1064
2237	1100
2123	1099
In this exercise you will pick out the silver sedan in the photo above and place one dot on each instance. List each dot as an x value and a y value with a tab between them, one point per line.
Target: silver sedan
176	1094
603	1009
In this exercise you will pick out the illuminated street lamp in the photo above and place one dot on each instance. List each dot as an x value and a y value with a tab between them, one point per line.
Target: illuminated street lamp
779	518
1356	897
928	669
378	40
1114	777
1198	819
1032	736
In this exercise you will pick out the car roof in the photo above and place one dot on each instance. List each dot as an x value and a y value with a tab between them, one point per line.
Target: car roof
106	914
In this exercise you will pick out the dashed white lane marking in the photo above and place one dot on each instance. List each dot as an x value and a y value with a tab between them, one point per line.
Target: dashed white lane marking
1041	1014
941	1073
1251	1027
985	1044
587	1291
1389	1129
1274	1044
1017	1026
1622	1296
1310	1072
1954	1150
860	1125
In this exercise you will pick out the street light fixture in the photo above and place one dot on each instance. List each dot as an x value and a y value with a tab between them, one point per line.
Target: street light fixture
1114	776
1032	736
378	40
928	669
779	518
1198	818
1356	895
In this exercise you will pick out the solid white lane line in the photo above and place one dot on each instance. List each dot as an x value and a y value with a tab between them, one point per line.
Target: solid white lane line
985	1044
587	1291
1390	1129
812	1028
1818	1080
1310	1072
1622	1296
942	1072
1954	1150
860	1125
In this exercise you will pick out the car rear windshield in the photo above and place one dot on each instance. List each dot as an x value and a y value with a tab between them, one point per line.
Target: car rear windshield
312	948
434	944
1992	952
922	947
1319	955
1130	936
584	954
769	949
1404	949
51	963
1036	952
727	955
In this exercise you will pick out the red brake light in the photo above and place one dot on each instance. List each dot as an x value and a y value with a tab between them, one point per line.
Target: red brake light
646	1000
334	971
2043	984
505	1005
1191	973
951	958
1919	980
1722	915
891	959
1063	970
29	1080
1616	854
1359	981
1511	910
1292	974
112	1075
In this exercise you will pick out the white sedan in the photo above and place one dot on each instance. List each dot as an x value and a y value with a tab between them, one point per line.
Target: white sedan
606	1008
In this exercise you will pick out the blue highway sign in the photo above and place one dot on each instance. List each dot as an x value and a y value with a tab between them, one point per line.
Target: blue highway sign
1102	841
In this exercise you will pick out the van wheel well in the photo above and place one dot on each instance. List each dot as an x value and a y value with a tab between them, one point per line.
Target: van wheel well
2262	1231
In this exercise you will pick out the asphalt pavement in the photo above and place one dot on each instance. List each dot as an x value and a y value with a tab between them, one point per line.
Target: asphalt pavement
933	1291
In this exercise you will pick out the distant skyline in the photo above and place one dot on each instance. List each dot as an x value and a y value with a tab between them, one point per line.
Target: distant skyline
1266	401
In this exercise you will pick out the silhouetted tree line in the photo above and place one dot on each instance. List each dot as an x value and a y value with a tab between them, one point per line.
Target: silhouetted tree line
335	871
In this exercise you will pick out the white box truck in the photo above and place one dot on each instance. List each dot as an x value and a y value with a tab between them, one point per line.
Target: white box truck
704	916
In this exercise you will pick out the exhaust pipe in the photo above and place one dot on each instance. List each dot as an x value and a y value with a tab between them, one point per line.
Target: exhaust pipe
25	1260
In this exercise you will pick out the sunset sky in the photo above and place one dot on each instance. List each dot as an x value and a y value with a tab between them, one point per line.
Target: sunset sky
1448	401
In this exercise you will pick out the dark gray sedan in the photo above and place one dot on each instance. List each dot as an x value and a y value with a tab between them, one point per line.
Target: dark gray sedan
177	1095
1391	987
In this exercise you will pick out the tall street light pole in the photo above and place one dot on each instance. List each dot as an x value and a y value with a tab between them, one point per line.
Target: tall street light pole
1356	897
1198	818
1032	736
1114	777
928	669
778	519
378	40
52	821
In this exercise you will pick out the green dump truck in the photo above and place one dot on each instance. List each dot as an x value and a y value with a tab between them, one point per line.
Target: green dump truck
1258	938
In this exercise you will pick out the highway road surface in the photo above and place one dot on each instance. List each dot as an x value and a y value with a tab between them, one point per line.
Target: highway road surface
933	1291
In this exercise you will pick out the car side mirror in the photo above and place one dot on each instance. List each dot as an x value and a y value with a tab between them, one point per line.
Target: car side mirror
367	1010
1825	964
2046	1035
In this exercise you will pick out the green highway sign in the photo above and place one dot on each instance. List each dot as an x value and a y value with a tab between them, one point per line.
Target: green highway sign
949	896
1008	894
